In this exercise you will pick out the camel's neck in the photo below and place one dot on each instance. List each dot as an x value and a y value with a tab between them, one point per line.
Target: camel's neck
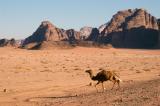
91	75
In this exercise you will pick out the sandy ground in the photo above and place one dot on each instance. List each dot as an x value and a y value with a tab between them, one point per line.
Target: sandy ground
57	77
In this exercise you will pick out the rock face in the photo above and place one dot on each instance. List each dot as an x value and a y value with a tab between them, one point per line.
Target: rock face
131	29
89	34
127	29
3	42
48	32
72	36
158	21
45	32
102	27
6	42
85	32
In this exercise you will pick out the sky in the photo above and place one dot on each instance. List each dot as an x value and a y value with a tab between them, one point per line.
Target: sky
20	18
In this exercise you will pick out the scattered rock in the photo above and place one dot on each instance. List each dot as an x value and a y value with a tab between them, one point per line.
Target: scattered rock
4	90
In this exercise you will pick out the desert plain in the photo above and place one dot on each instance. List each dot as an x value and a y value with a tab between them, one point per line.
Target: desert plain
57	77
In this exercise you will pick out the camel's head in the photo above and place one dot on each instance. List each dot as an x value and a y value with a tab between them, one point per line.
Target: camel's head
89	71
117	79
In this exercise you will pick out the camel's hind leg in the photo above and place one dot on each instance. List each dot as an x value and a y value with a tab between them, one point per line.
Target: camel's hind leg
113	85
118	82
103	87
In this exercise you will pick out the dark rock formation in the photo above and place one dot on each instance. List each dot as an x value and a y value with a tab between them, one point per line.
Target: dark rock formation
94	35
12	42
3	42
140	37
72	36
6	42
131	29
158	22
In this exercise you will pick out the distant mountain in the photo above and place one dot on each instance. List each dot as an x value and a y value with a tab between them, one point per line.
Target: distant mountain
85	32
45	32
132	29
89	34
127	29
48	32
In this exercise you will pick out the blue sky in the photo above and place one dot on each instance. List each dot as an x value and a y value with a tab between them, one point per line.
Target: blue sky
20	18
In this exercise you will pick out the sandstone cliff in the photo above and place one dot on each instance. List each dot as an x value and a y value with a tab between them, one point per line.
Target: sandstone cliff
132	29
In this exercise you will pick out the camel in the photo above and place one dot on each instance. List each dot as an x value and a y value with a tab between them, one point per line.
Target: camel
103	76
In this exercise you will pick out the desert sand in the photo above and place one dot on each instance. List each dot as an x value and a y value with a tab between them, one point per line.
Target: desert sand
57	77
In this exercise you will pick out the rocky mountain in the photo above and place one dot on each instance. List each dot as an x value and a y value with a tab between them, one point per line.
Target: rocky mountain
127	29
45	32
89	34
132	29
85	32
48	32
